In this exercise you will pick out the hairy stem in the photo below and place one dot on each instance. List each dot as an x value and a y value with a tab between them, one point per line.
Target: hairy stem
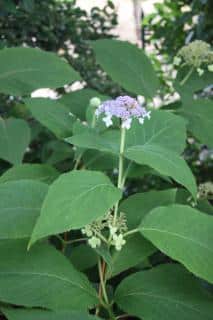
187	76
101	270
128	233
121	181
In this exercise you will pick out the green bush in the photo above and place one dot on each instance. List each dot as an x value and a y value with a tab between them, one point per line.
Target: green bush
73	243
61	27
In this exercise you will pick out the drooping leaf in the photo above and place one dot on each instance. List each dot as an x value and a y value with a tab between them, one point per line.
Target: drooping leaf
163	293
183	233
14	139
40	172
127	65
78	101
105	142
23	70
165	162
74	200
52	114
20	205
135	251
33	314
35	278
163	129
138	205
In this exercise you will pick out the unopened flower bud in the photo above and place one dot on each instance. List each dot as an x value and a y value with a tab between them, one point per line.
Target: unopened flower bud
95	102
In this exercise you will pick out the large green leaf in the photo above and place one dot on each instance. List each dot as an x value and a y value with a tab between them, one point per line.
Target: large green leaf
23	70
20	205
199	114
42	277
183	233
52	115
135	251
127	65
164	129
74	200
164	293
138	205
78	101
105	142
41	172
14	139
165	162
33	314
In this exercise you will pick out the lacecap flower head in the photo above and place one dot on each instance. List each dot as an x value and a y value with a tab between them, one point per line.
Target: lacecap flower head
195	54
125	108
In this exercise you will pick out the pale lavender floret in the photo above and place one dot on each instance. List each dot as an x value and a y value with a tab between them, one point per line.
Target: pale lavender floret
124	107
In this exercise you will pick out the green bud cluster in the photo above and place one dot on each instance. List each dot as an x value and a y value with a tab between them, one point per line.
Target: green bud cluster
196	54
205	190
107	230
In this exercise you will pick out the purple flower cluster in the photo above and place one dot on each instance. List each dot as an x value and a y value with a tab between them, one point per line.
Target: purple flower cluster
123	107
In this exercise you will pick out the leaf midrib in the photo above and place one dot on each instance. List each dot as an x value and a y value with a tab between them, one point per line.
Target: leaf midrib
48	275
174	234
164	298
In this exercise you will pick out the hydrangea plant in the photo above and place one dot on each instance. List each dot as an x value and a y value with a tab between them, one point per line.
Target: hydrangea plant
86	242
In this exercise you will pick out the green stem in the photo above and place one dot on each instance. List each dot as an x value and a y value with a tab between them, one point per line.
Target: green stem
93	120
128	233
121	157
70	241
187	76
121	182
77	162
102	237
102	281
126	173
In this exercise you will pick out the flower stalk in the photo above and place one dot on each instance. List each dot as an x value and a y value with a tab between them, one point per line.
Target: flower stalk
121	182
186	78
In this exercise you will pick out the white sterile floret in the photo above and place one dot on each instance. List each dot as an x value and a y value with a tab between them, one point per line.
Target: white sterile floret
148	115
113	230
87	231
95	102
141	120
119	241
94	242
108	121
126	124
210	67
200	71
